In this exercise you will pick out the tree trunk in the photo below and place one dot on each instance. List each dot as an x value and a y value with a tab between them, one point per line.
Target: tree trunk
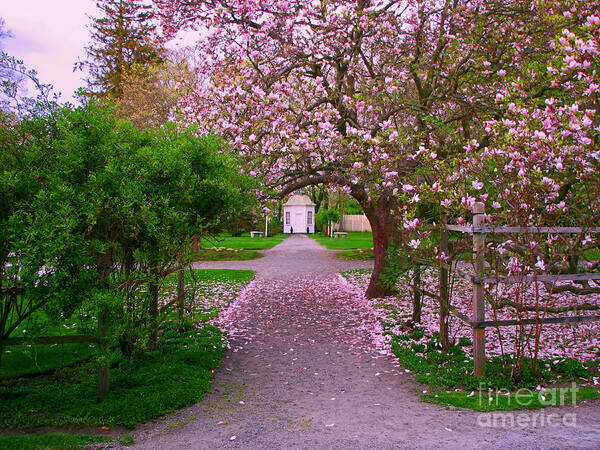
1	353
382	224
196	242
154	289
180	293
444	291
416	313
341	207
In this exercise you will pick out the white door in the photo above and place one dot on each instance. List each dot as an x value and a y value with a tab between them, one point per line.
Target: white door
298	222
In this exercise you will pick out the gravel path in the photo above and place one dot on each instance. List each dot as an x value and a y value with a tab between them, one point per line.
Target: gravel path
304	372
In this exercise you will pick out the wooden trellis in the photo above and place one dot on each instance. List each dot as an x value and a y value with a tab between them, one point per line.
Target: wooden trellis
477	322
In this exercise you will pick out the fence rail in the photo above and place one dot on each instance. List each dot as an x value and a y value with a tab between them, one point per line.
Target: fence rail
478	322
520	230
74	339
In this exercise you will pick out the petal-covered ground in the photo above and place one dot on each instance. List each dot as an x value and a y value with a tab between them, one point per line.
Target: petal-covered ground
580	341
316	309
309	368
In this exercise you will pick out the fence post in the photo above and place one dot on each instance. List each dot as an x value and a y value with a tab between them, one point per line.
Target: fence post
478	294
416	310
103	372
444	294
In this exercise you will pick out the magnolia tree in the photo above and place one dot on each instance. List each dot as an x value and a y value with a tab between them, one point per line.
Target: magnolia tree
536	165
358	94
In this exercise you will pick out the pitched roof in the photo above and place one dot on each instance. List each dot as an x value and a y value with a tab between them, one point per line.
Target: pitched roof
299	200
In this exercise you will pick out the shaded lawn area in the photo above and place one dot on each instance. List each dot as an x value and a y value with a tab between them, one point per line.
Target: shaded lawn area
354	240
32	359
143	387
212	290
52	440
244	242
222	275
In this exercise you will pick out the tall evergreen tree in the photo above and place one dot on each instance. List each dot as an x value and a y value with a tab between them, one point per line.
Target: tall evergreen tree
122	37
4	32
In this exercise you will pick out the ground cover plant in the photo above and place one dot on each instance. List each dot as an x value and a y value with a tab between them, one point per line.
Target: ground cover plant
144	385
51	441
448	375
354	240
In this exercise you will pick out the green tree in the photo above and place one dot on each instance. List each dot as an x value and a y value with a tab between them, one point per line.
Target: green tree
150	92
122	37
96	212
325	219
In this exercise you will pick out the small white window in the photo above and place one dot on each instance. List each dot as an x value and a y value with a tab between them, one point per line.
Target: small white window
287	218
309	218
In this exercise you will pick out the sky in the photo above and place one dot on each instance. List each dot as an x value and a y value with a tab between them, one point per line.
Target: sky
49	36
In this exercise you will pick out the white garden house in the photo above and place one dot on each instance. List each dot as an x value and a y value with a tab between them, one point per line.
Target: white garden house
299	215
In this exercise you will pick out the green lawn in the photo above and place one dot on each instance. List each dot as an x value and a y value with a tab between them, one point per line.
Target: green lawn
485	401
593	254
223	276
244	242
357	255
214	254
51	441
143	387
354	240
28	360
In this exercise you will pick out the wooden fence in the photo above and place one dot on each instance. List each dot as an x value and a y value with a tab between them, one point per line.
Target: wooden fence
73	339
478	322
355	222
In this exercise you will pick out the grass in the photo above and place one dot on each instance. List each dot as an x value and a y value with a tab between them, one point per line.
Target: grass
225	255
222	275
484	401
143	387
28	360
214	289
359	255
450	381
243	242
354	240
50	441
593	254
31	359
